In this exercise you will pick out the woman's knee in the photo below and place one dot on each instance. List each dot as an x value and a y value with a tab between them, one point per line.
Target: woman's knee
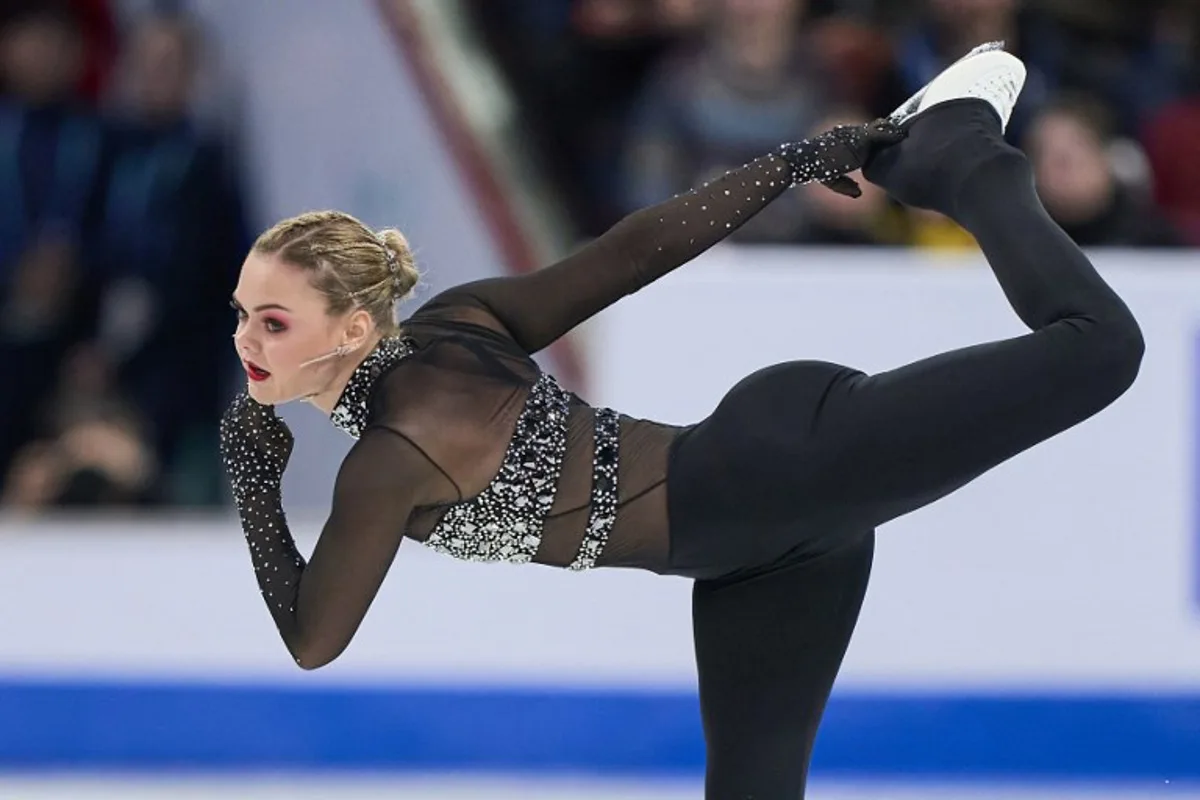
1116	349
1126	348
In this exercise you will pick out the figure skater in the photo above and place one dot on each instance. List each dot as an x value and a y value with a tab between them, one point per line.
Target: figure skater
770	504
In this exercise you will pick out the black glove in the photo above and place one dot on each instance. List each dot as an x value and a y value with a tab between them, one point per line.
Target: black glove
255	446
829	157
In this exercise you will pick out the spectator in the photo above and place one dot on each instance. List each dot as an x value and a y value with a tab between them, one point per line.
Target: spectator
1130	55
50	171
1170	140
950	28
678	16
173	237
100	45
1170	137
575	66
747	88
858	57
98	458
1068	145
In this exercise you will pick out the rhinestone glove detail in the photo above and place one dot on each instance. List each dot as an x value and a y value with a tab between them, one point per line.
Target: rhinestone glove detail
830	156
255	447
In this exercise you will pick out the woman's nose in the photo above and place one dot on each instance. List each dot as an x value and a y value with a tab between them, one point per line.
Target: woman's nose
242	342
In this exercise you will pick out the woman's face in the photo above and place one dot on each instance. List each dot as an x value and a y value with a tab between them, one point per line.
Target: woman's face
1073	174
283	322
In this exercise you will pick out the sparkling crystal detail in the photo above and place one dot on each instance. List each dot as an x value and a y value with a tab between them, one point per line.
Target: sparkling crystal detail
352	408
603	512
504	521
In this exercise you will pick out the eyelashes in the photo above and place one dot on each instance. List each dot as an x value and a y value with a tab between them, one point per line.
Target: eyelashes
271	324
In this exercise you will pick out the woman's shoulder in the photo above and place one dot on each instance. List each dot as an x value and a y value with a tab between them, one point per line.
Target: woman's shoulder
457	317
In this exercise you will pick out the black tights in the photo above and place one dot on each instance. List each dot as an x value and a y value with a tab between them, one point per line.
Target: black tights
774	498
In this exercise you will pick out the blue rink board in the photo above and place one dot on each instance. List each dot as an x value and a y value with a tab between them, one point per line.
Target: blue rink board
152	727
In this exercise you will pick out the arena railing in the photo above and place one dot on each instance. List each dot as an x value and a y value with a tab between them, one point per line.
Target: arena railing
474	112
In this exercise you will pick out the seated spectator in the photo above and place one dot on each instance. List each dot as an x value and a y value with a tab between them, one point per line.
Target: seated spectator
950	28
1171	143
50	173
746	89
574	66
172	239
1170	137
98	458
99	31
1130	55
1068	145
858	56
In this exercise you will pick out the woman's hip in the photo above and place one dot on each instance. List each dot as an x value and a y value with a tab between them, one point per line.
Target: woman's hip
738	493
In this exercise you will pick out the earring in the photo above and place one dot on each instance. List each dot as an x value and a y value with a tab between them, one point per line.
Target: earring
342	350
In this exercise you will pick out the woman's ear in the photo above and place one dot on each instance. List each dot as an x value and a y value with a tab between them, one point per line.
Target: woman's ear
359	327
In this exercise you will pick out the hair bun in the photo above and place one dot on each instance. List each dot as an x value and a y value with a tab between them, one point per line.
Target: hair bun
400	261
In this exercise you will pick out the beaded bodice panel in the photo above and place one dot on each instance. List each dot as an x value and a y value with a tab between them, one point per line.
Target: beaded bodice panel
505	521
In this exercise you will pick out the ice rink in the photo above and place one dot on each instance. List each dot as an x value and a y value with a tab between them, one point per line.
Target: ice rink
508	788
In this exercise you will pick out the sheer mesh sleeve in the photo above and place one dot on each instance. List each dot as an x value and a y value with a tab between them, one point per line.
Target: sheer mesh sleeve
317	606
540	307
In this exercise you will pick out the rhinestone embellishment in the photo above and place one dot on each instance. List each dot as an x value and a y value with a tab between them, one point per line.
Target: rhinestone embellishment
504	521
830	155
350	412
603	511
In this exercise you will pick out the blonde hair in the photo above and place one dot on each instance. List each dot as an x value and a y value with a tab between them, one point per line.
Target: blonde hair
349	263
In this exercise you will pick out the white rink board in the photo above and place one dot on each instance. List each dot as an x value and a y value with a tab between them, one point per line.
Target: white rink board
1073	566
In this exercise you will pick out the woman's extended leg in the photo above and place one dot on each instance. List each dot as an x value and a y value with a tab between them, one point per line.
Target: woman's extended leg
838	451
893	442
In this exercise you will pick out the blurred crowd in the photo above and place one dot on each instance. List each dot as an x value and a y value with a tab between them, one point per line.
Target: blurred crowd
121	228
122	217
633	101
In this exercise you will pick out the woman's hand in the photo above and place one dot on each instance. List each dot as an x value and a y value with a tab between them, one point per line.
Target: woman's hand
829	157
255	446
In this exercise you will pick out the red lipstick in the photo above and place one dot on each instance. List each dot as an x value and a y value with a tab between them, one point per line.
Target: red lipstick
255	372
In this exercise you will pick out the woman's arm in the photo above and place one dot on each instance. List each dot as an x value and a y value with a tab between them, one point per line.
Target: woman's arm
318	605
538	308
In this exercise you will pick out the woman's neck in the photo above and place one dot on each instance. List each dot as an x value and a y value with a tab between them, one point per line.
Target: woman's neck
327	398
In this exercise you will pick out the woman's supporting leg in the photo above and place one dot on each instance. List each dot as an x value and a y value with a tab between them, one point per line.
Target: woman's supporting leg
768	647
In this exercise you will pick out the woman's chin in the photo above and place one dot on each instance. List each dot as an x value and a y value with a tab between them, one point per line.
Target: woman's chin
264	393
260	393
